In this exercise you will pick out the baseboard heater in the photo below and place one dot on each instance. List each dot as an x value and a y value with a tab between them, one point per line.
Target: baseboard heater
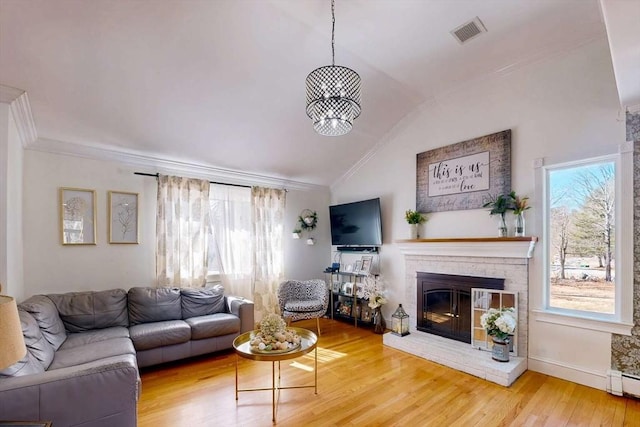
620	383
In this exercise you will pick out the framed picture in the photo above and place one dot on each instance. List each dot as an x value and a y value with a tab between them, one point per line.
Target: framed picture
366	261
365	314
77	216
345	308
461	176
357	266
123	217
336	287
359	290
347	289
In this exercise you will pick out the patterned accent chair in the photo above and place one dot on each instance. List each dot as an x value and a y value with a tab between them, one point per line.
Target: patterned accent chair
303	299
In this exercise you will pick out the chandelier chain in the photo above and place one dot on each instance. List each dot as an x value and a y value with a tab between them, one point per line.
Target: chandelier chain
333	32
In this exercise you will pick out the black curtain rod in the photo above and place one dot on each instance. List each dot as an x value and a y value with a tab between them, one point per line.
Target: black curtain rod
210	182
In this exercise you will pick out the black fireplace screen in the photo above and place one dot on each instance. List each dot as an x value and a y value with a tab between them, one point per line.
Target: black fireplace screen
444	303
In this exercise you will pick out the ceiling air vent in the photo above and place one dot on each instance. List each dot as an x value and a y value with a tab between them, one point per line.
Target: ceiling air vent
469	30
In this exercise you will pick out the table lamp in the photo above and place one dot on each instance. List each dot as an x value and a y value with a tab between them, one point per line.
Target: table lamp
11	339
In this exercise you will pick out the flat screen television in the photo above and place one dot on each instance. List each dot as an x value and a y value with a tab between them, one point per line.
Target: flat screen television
356	223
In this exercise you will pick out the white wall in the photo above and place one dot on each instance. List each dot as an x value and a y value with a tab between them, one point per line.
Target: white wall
11	161
51	267
303	261
559	109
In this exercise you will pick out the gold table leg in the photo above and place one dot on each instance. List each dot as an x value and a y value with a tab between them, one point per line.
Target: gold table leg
237	357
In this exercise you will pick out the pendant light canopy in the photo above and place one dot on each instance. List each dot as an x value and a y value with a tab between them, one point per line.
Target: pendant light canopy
333	94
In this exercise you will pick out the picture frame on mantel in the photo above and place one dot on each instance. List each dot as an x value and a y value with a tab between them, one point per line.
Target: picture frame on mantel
123	217
461	176
77	207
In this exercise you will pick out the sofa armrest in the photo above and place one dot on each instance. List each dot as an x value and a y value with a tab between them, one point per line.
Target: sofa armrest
243	308
100	393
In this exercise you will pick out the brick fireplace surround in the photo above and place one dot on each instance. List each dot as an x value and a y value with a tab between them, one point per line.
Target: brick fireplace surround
506	258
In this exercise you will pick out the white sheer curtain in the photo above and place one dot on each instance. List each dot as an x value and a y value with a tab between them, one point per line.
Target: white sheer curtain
182	225
231	247
268	233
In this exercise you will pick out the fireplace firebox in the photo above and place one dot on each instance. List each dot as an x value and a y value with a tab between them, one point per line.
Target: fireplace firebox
444	303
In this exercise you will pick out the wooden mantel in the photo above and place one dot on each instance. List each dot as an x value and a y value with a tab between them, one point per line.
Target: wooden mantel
498	247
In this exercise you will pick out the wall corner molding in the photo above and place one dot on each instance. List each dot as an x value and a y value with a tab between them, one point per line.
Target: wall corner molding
20	107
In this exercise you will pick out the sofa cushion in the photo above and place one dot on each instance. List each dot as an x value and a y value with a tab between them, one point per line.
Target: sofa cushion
80	354
46	314
35	342
148	305
298	305
39	350
28	365
83	338
202	302
158	334
213	325
85	311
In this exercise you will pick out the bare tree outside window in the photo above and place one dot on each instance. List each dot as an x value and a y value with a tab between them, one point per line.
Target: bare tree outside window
581	238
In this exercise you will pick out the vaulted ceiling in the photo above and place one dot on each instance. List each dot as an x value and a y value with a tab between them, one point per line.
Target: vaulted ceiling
221	83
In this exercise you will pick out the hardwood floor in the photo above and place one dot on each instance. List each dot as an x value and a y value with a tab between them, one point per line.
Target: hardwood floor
363	383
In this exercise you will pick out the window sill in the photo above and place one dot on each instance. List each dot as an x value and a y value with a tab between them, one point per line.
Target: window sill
565	319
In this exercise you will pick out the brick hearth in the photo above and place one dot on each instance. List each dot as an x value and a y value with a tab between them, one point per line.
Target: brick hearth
501	258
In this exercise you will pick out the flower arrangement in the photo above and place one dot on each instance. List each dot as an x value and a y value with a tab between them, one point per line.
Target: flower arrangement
274	335
414	217
373	290
518	204
499	323
498	205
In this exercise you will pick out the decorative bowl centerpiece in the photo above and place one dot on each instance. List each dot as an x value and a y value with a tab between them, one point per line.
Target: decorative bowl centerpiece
274	337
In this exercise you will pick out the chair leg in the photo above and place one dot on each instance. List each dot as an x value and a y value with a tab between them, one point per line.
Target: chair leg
318	324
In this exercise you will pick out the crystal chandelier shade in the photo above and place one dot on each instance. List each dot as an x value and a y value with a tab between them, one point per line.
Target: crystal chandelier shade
333	95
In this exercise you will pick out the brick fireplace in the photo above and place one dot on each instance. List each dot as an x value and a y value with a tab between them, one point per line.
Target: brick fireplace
499	258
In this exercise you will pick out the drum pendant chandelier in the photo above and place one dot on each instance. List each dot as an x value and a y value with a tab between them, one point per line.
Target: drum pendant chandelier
333	94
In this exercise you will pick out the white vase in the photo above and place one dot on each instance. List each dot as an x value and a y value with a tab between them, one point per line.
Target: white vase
413	228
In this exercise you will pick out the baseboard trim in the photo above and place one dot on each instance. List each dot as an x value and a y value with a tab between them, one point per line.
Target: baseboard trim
576	374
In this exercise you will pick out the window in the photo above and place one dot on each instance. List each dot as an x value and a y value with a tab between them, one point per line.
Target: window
230	246
581	238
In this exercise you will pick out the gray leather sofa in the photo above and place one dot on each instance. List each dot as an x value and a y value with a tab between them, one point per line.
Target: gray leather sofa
84	349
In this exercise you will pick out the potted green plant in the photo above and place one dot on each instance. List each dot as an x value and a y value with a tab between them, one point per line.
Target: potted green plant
414	219
499	205
519	205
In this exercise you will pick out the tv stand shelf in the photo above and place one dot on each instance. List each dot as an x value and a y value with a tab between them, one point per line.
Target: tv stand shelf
345	304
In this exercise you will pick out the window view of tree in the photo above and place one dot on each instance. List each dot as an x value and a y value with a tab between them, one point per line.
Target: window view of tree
581	238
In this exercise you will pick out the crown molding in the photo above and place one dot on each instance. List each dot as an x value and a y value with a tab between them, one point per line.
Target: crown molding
159	164
20	108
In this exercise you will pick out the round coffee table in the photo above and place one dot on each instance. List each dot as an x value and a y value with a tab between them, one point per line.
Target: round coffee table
308	343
